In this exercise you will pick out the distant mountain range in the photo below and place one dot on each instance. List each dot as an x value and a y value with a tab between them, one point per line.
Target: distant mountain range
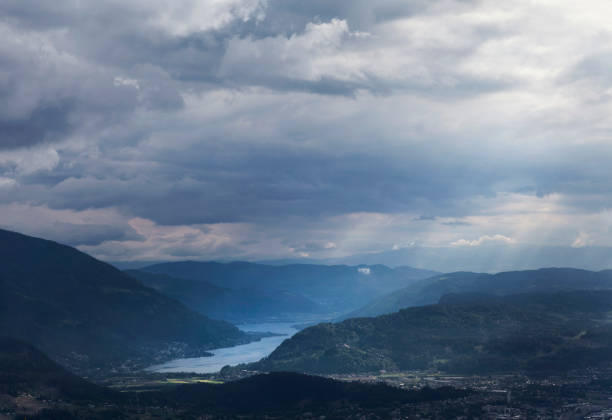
87	313
472	334
430	290
488	257
296	288
229	304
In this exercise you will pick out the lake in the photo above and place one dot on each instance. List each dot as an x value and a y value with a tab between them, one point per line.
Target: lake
232	356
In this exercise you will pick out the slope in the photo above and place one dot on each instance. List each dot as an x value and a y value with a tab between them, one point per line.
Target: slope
23	368
228	304
87	313
467	334
430	290
335	288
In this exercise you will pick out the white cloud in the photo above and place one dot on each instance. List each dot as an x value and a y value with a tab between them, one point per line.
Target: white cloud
126	81
31	160
581	241
486	239
182	17
6	183
312	55
364	270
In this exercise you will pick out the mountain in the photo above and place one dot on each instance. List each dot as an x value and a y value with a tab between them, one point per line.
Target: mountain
488	257
334	288
228	304
289	395
462	334
430	290
86	313
25	369
33	386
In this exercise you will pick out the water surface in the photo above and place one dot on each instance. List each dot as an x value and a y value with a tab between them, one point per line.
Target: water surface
232	356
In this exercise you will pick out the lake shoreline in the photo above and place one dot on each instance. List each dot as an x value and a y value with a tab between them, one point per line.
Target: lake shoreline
270	335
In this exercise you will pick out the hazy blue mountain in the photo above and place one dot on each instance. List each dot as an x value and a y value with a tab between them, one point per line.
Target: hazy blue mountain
430	290
488	258
335	288
132	265
229	304
465	334
85	312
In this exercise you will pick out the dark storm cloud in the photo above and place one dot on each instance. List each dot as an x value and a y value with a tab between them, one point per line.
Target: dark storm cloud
46	93
240	183
424	218
456	223
257	185
90	234
265	113
46	123
290	16
76	234
311	247
73	52
65	65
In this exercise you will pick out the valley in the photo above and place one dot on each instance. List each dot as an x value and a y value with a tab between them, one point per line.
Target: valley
289	209
576	394
250	292
527	343
232	356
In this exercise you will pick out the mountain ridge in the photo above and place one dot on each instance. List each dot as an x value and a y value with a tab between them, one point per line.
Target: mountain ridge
234	305
429	291
84	312
336	288
477	334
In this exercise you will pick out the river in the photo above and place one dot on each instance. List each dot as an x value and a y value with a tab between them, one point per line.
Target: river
232	356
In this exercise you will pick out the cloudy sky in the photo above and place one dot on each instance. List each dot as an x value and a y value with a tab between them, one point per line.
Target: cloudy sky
257	129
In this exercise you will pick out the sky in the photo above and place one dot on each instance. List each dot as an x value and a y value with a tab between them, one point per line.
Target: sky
283	129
